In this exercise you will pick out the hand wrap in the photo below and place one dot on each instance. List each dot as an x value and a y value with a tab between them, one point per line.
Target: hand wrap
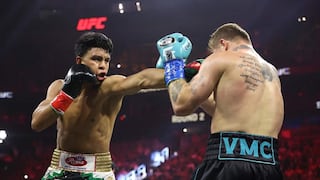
173	70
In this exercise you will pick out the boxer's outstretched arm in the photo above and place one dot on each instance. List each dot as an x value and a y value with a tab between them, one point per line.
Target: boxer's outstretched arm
150	78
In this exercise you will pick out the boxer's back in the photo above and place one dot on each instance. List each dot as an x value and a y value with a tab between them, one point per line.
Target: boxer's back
248	96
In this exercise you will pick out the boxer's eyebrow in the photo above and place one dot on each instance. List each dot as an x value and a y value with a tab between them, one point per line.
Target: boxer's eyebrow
96	57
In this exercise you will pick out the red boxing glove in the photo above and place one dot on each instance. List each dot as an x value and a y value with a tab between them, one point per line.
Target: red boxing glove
191	69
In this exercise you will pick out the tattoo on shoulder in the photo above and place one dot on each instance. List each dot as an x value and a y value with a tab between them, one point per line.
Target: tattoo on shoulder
266	72
254	72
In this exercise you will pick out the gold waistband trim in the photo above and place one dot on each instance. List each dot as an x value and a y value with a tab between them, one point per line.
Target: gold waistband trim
103	161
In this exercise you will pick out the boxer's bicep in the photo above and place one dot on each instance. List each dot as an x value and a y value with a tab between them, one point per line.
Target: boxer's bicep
204	83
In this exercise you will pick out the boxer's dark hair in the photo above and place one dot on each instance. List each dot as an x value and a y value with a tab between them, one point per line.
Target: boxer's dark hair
90	40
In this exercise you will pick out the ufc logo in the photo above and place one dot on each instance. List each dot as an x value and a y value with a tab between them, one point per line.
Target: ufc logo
7	94
284	71
90	23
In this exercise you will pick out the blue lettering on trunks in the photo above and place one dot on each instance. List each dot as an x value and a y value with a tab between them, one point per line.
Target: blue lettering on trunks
247	149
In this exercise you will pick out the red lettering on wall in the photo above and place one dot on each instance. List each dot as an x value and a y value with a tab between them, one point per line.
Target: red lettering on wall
91	23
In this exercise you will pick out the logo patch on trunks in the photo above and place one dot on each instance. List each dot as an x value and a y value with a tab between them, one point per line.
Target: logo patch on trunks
77	162
235	146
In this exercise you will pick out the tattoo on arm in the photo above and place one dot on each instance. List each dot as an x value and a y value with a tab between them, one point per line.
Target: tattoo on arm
175	89
196	83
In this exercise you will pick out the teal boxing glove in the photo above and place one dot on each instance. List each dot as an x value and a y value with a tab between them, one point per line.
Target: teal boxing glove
173	46
160	63
174	49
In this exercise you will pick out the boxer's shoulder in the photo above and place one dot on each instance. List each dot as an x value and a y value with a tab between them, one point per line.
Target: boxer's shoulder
55	86
57	82
112	81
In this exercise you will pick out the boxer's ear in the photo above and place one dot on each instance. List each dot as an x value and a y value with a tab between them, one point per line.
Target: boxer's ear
78	60
225	44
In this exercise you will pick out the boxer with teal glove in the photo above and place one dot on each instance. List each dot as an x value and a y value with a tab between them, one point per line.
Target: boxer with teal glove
173	46
174	49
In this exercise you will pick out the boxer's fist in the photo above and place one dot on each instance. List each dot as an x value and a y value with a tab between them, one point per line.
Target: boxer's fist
174	49
191	69
173	46
76	76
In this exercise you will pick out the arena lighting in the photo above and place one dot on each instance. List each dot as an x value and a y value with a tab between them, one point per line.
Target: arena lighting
121	8
3	135
185	130
318	104
138	5
302	19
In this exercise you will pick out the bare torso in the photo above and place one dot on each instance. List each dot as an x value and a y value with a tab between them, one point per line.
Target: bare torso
248	96
87	125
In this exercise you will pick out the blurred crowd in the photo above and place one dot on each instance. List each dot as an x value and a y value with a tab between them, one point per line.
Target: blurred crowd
299	155
26	154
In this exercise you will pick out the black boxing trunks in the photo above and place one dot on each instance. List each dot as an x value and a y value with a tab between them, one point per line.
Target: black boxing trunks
234	155
66	165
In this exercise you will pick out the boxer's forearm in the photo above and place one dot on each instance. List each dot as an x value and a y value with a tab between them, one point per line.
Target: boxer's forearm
152	78
180	97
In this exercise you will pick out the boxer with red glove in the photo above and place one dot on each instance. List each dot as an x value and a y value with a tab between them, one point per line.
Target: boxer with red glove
76	76
191	69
